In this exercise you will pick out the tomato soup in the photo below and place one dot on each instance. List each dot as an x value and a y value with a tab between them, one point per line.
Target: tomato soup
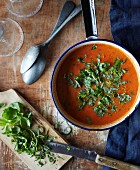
68	96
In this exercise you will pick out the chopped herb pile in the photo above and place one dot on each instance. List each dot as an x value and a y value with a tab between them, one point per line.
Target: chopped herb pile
99	83
17	123
93	47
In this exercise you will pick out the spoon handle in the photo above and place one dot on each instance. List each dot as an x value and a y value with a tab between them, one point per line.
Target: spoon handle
66	11
76	11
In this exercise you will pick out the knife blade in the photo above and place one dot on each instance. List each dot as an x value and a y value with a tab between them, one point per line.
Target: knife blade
73	151
91	156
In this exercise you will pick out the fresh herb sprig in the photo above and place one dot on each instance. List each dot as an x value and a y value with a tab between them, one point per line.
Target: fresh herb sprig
17	122
99	83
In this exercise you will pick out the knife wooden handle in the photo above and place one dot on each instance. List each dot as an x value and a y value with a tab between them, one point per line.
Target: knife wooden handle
116	164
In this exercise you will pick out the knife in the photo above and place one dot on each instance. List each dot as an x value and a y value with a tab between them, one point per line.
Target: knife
91	156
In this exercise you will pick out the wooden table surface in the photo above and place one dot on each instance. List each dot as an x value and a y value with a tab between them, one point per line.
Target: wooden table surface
37	29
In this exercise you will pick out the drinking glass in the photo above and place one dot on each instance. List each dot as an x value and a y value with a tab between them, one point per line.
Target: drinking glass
24	8
11	37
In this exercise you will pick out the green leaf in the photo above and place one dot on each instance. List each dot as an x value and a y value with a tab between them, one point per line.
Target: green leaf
82	105
17	105
113	108
82	94
68	148
98	59
51	138
9	113
14	121
69	80
104	67
80	60
7	130
3	122
89	121
77	82
26	134
106	100
101	110
94	47
16	130
25	123
124	98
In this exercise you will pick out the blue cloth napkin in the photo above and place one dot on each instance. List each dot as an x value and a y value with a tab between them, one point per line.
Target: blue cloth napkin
123	141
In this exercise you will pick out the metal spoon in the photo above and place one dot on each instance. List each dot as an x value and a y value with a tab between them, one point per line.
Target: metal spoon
34	51
38	67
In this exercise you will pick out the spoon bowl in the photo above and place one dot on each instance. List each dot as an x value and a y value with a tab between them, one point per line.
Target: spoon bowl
35	71
31	56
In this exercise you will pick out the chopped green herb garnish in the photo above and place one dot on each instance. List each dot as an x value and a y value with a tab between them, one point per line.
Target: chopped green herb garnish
68	148
17	122
89	121
104	67
99	83
124	98
94	47
71	74
114	108
81	60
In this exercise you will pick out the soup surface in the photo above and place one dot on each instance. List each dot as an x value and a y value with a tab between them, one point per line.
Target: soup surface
68	95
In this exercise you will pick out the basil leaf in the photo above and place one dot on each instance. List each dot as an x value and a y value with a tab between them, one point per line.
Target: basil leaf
94	47
82	105
3	122
104	67
89	121
9	113
25	123
16	130
18	106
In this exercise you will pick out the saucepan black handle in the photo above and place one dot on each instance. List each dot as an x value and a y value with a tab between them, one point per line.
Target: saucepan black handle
88	8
